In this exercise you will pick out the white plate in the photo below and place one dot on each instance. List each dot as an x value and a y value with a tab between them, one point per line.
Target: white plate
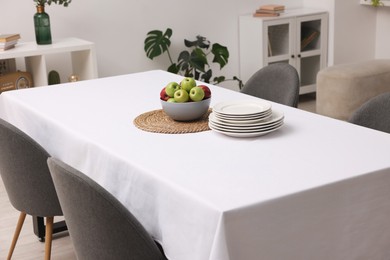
276	116
252	120
243	115
244	118
251	134
245	130
243	107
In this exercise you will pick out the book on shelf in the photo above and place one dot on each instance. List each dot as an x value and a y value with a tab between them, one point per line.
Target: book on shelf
269	11
272	7
7	48
6	44
269	48
308	35
256	14
8	41
9	37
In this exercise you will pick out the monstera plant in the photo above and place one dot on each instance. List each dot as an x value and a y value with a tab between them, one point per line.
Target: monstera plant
193	61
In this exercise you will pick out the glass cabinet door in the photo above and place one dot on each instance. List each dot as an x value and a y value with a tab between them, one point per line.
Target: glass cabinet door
279	44
309	50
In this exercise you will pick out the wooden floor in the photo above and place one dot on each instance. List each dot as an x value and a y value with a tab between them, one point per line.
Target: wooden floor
29	247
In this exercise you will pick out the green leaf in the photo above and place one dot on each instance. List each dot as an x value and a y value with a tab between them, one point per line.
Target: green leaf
207	76
219	79
184	61
173	68
198	60
201	42
221	54
157	43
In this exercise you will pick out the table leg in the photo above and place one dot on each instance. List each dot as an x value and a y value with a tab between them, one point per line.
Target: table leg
39	227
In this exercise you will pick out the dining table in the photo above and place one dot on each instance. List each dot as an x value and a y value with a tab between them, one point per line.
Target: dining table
315	188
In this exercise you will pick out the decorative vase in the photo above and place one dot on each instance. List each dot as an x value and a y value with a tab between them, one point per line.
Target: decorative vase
42	26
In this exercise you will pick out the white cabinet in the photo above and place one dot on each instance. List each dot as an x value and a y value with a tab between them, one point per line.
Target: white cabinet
81	52
298	37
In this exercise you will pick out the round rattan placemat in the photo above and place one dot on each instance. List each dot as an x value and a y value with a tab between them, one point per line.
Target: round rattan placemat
157	121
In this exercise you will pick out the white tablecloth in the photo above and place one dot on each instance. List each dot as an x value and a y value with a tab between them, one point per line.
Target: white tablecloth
317	188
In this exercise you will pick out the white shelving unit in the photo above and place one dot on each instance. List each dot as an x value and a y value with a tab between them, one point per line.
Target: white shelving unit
268	40
82	55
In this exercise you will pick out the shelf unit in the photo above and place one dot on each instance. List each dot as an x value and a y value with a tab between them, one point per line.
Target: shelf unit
82	55
267	40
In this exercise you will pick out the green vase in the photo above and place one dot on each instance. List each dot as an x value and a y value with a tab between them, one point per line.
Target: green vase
42	26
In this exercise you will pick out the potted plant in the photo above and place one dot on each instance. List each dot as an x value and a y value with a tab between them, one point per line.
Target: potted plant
376	3
42	20
193	61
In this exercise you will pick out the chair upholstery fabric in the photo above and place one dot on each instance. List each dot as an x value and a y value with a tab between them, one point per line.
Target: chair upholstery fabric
277	82
343	88
99	225
25	173
375	113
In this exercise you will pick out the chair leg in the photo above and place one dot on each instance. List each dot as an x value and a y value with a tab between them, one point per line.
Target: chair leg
48	237
18	228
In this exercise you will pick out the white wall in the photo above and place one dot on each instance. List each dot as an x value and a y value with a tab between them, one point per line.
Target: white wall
352	30
382	33
119	27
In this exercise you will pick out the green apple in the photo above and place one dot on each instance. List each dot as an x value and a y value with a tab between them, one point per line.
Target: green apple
181	96
187	84
171	88
196	94
172	100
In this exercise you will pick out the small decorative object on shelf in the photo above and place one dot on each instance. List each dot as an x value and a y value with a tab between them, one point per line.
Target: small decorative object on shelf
73	78
54	78
15	80
42	26
42	20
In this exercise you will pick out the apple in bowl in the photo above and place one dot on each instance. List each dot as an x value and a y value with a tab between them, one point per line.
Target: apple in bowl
186	103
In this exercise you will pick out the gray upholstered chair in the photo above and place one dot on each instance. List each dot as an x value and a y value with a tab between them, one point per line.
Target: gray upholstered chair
27	180
99	225
375	113
277	82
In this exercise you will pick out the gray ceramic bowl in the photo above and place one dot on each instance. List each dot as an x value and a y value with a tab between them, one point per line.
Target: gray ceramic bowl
187	111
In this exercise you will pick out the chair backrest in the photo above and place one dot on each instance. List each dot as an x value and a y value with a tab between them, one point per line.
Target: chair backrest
99	225
277	82
375	113
25	174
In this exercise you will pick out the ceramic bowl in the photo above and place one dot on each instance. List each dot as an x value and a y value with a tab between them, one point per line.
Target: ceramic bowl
187	111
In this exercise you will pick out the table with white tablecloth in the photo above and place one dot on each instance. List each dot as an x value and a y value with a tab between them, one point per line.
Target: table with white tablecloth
317	188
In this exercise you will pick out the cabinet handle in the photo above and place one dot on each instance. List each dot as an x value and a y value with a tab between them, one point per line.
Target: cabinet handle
292	56
299	55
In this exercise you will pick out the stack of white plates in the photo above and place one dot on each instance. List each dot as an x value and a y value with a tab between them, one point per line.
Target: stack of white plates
245	118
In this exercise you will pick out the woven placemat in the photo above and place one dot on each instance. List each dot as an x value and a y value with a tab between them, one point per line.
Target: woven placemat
157	121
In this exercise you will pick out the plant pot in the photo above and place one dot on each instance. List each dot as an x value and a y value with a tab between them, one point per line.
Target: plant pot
42	26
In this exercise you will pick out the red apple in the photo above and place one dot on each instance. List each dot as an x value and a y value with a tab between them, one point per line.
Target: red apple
207	91
163	95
